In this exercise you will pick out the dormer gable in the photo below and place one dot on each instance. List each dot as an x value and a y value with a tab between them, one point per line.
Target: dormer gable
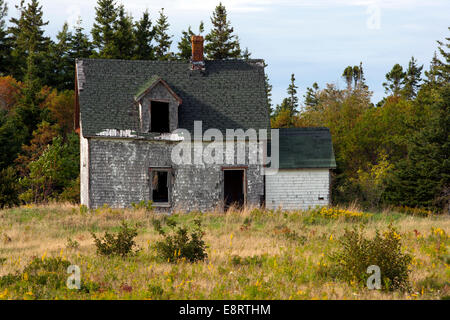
158	106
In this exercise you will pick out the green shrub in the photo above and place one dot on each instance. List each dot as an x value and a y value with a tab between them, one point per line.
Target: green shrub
71	192
421	212
147	205
121	244
357	253
246	261
9	188
179	245
72	244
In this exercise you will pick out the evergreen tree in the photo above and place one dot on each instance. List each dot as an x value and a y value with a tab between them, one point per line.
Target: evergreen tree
358	77
439	72
124	41
288	107
4	47
423	178
31	60
443	67
29	45
311	96
292	99
395	79
432	74
348	76
63	68
221	43
143	35
185	45
412	79
80	45
246	54
13	134
354	75
162	38
268	88
103	29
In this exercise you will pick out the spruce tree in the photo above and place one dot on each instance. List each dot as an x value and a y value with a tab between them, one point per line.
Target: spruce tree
4	47
143	35
63	68
246	54
311	96
358	77
185	45
444	66
103	29
348	76
288	107
292	99
124	41
80	45
439	72
412	79
30	47
268	88
221	43
162	38
423	178
395	79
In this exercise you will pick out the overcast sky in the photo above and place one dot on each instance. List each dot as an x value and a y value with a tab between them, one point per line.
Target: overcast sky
315	39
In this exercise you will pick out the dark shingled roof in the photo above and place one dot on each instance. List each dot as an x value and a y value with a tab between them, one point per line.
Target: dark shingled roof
306	148
228	94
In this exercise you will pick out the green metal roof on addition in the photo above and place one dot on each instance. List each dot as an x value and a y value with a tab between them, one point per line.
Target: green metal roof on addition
306	148
229	94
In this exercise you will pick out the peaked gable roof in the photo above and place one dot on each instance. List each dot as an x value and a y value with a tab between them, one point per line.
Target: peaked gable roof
306	148
229	94
150	84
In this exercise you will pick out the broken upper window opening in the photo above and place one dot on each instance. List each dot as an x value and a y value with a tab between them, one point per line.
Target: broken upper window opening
159	113
160	186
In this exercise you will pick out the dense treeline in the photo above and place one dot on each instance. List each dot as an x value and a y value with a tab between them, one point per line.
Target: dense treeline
394	152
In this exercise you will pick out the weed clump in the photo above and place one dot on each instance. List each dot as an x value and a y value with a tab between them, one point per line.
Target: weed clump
72	244
121	244
181	243
357	253
146	205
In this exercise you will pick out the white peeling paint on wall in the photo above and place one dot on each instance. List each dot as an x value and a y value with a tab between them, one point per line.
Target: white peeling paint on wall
170	137
298	189
117	133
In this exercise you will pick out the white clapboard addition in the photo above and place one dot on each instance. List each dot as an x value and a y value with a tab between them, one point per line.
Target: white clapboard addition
291	189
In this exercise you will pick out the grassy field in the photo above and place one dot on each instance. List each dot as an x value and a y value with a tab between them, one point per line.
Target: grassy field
252	254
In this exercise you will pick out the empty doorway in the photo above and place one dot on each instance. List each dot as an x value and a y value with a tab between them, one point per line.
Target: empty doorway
234	187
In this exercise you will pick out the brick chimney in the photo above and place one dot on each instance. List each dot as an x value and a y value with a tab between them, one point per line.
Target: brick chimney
197	53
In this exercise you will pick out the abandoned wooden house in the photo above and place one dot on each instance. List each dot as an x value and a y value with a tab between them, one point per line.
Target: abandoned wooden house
129	113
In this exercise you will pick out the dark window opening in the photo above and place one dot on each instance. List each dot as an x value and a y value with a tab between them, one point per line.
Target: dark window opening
160	186
234	188
159	114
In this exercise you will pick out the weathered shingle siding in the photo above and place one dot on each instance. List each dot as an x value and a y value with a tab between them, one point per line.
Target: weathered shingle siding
298	188
119	173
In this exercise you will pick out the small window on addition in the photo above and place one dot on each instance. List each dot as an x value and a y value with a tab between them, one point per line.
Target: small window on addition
159	114
160	183
321	198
